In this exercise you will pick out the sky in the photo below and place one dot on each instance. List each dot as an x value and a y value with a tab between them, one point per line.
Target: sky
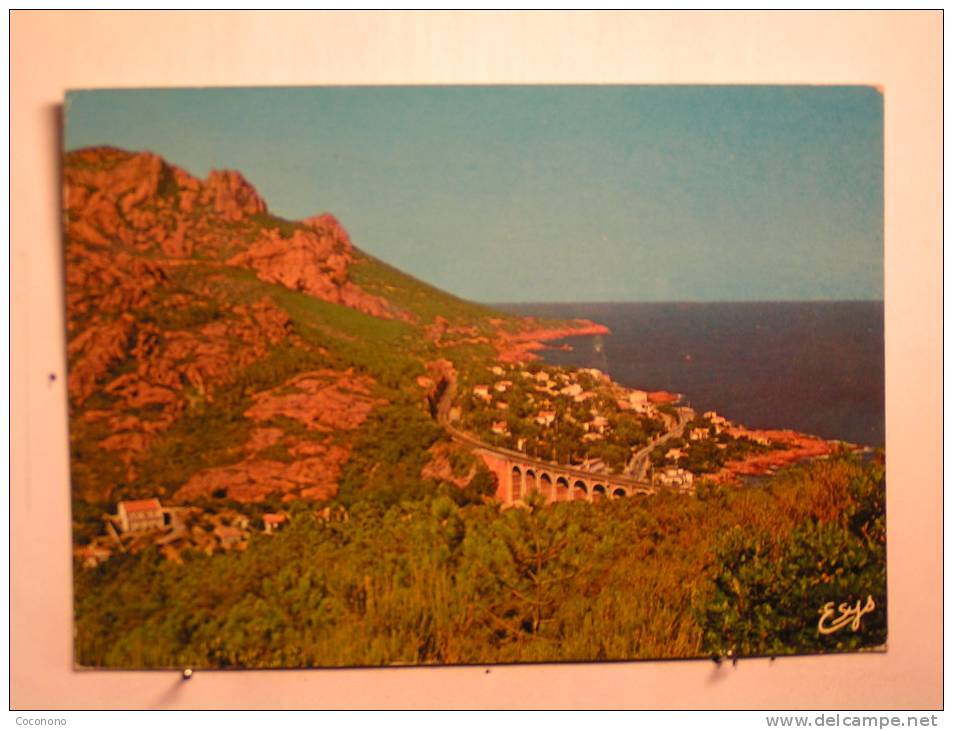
550	193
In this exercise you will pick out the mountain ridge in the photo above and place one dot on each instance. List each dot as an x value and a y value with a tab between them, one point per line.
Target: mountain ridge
189	305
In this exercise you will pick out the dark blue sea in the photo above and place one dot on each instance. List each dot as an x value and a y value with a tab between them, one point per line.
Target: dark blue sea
816	367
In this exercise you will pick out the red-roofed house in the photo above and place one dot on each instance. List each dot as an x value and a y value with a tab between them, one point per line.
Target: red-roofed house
140	515
545	418
597	425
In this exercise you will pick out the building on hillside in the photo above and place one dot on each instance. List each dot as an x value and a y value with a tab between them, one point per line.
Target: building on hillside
698	434
638	398
597	374
140	515
673	454
229	536
674	477
572	389
273	521
639	402
482	391
545	418
502	386
497	370
597	425
500	429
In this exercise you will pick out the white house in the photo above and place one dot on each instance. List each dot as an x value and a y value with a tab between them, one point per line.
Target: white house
673	477
698	434
273	521
638	398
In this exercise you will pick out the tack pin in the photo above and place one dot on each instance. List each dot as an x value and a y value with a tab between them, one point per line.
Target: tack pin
187	673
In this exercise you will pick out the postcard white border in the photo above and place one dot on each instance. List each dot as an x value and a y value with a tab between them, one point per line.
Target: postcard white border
900	52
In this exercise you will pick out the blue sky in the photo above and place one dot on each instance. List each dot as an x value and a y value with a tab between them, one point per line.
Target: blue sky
551	193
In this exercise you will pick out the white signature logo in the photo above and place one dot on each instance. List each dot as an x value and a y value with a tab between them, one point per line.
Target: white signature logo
846	615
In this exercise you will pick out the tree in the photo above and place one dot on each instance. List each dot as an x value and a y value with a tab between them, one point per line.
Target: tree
517	568
770	590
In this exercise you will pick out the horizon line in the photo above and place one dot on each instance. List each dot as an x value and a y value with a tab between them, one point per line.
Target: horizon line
684	301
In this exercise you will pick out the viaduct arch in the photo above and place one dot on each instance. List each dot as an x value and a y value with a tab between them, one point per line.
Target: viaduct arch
518	475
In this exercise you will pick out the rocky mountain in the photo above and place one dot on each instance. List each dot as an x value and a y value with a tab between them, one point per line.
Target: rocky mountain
217	351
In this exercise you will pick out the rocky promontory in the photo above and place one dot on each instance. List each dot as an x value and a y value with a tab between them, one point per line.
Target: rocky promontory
522	345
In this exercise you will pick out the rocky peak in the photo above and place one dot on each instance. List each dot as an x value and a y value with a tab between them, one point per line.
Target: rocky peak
231	196
327	226
100	182
140	204
314	260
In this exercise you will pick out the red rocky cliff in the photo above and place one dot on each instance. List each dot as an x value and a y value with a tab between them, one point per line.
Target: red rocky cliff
231	196
159	326
139	204
314	260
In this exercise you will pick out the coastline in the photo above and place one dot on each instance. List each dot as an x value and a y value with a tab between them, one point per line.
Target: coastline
799	447
514	347
811	367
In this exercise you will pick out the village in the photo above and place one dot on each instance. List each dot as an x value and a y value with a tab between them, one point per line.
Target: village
576	417
583	419
705	445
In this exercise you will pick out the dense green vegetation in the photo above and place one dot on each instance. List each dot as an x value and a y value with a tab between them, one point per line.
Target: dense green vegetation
424	300
403	568
710	454
426	579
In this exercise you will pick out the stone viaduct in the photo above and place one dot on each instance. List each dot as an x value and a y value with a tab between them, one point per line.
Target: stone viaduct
519	475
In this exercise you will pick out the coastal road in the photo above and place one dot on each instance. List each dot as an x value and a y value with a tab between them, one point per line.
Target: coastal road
442	414
639	464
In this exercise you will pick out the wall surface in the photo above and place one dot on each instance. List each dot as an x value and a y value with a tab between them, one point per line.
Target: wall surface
900	52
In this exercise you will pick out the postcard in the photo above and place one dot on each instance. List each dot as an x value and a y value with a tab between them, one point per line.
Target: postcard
380	376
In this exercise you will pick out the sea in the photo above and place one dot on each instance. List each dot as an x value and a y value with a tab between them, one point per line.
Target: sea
815	367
